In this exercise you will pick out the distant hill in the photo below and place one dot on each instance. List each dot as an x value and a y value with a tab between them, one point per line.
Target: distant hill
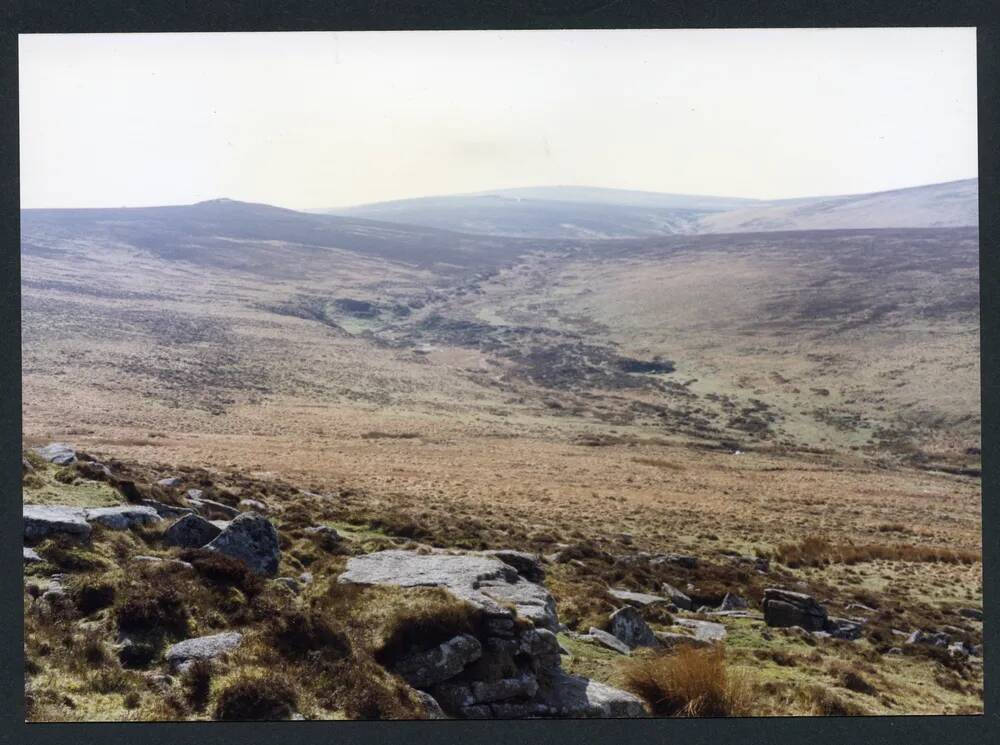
241	235
579	212
953	204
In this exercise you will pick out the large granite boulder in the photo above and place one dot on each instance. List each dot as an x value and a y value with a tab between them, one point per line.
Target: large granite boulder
627	626
251	539
677	597
570	696
41	521
527	565
785	608
191	531
122	517
58	453
446	660
484	581
605	639
184	653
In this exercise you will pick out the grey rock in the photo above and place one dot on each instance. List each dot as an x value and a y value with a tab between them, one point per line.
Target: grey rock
306	578
535	642
527	565
786	608
94	471
677	597
209	506
432	710
895	651
704	630
638	599
31	556
184	653
251	539
976	614
672	640
165	561
252	505
844	628
569	696
57	452
191	531
607	640
44	520
486	692
325	536
123	517
453	696
170	483
732	602
484	581
26	466
936	639
166	510
438	664
628	626
681	560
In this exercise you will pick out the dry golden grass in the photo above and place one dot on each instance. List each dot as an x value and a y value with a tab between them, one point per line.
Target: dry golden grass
817	551
690	683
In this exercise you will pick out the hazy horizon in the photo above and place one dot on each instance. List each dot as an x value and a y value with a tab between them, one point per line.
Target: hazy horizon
327	120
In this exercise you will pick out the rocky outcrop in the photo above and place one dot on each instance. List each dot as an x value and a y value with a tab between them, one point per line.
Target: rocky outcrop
639	599
58	453
123	517
628	627
252	539
191	531
509	669
527	565
424	669
41	521
785	608
184	653
676	597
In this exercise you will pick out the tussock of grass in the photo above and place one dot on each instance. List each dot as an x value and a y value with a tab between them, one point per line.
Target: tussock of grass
690	683
816	551
256	695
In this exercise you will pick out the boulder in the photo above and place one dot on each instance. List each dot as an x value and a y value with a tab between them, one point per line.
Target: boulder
732	602
210	506
484	581
708	631
252	505
438	664
607	640
628	626
184	653
26	467
975	614
31	556
325	536
166	510
251	539
786	608
58	453
123	517
570	696
45	520
94	471
680	560
676	597
191	531
844	628
432	709
638	599
527	565
170	483
524	685
936	639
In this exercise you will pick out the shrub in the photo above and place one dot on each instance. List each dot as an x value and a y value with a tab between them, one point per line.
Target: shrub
298	634
157	608
67	555
223	570
256	696
91	595
197	684
690	683
368	691
817	551
824	702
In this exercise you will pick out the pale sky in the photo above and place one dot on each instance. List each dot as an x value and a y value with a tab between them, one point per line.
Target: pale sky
305	120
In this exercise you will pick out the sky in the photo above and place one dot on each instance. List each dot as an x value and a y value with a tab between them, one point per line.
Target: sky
313	120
